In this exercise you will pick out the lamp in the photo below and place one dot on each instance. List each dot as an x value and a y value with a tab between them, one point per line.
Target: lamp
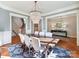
35	14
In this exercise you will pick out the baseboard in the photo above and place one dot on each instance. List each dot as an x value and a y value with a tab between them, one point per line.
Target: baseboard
5	45
72	37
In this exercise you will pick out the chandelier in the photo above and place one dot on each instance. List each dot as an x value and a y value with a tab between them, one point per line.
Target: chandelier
35	14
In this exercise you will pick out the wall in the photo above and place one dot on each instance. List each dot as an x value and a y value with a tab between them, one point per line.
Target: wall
71	28
5	34
4	20
5	26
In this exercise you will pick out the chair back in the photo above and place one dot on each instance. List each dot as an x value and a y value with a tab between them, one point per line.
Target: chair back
25	39
48	34
21	37
36	33
36	44
41	34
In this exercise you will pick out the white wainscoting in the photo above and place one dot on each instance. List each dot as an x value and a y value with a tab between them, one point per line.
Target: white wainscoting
1	37
78	39
5	37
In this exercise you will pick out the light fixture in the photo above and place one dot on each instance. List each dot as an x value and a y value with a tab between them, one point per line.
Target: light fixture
35	14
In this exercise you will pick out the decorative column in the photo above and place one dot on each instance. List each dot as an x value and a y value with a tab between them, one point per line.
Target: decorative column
78	28
44	24
28	25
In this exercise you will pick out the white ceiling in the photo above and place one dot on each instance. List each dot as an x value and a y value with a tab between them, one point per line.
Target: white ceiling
44	6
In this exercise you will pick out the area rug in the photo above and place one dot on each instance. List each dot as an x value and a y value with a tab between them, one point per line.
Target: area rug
16	51
59	52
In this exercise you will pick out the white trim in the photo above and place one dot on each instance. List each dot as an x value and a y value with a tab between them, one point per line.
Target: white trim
62	9
17	15
78	28
11	9
62	14
10	24
46	25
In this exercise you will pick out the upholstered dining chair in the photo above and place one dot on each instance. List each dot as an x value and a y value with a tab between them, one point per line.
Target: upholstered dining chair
48	34
36	33
37	47
42	34
21	37
26	41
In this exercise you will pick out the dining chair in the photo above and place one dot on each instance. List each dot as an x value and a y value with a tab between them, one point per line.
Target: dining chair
36	33
48	34
25	40
37	47
42	34
21	37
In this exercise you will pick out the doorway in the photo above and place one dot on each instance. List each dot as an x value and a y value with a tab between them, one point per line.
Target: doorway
17	25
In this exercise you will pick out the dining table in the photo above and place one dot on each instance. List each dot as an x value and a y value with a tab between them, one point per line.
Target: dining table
49	40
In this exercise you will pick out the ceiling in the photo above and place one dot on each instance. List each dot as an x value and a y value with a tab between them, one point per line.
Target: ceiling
44	6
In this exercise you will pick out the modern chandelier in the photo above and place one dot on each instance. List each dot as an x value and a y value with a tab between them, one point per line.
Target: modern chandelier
35	14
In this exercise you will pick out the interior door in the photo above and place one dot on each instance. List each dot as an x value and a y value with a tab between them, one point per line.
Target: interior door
36	27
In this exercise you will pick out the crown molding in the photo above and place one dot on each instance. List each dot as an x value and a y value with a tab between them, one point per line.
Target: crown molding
13	14
63	14
70	8
12	9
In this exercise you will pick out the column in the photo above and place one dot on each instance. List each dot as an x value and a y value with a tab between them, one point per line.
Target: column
44	24
78	28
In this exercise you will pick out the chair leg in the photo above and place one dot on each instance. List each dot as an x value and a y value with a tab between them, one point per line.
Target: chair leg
46	54
29	50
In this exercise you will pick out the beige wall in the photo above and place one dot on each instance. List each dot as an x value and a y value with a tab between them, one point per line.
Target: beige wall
70	20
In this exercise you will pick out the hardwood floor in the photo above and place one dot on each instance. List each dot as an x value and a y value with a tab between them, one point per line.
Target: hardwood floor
67	43
70	44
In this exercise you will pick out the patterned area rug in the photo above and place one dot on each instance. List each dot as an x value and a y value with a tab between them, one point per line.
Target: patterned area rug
58	52
17	52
